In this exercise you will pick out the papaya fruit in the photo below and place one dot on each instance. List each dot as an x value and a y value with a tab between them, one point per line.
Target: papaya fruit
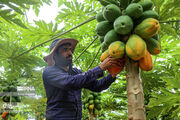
104	55
146	63
96	102
101	38
124	3
91	102
107	2
147	28
98	106
86	105
147	5
4	114
156	36
99	97
91	97
135	47
123	25
153	46
149	14
95	94
134	10
111	12
103	27
104	46
99	17
115	69
91	107
101	118
111	36
116	49
135	1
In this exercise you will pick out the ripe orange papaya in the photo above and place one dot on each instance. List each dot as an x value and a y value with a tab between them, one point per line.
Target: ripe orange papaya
115	69
4	114
146	62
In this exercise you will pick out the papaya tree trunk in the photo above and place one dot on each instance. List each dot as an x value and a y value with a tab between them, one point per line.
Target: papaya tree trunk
136	109
91	116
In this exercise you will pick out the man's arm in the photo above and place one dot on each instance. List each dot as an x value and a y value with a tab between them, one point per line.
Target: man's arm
99	85
65	81
102	84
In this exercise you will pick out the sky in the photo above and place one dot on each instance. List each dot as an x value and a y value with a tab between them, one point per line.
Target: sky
47	13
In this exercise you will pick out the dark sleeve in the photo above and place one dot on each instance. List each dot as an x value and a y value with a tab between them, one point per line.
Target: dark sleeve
102	84
65	81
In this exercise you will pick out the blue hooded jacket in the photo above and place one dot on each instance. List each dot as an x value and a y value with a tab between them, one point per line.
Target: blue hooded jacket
63	90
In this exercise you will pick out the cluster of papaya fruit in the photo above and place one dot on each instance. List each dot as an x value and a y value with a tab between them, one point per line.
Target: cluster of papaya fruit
128	27
6	97
93	103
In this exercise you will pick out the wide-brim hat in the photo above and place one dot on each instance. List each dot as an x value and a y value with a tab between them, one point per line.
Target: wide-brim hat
54	45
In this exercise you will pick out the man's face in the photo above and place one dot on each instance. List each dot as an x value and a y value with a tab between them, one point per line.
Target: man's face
65	54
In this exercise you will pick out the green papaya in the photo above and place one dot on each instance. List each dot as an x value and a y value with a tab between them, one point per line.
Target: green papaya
86	105
134	10
103	27
99	17
111	36
96	102
99	97
149	14
135	1
124	3
104	46
91	102
101	39
107	2
111	12
98	106
95	94
101	118
156	36
123	25
153	46
91	97
147	5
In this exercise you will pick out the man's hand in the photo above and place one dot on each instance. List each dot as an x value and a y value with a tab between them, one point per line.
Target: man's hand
109	62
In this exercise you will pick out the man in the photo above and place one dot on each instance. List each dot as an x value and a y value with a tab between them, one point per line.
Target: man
63	83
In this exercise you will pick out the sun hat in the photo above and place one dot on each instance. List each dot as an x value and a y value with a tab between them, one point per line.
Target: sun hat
54	45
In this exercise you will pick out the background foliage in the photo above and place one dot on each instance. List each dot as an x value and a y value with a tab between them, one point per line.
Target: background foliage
161	85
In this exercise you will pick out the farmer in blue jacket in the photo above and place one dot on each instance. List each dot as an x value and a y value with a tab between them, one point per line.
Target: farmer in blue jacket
63	83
